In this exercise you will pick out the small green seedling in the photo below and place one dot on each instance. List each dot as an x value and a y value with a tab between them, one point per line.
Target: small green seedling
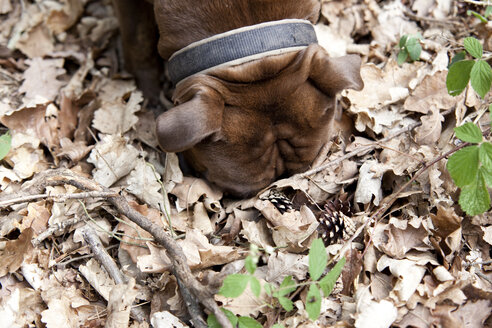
235	284
484	18
410	48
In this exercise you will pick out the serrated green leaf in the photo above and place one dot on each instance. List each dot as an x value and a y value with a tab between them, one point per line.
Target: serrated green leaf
328	281
481	77
234	285
403	41
313	302
286	303
255	286
402	57
458	76
414	48
485	155
213	323
5	144
488	11
463	165
474	198
477	15
469	132
247	322
249	264
318	259
474	47
487	176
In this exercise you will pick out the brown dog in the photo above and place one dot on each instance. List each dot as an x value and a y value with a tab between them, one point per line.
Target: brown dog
244	124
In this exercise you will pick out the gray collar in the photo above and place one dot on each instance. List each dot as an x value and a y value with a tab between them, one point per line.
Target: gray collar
241	45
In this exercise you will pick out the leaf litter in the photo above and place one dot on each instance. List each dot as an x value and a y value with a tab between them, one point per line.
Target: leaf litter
68	105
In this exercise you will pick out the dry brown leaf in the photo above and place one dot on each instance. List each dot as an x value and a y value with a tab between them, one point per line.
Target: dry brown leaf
191	189
369	185
113	159
408	275
431	94
401	240
37	217
97	277
247	304
447	232
62	19
118	116
40	79
36	43
120	303
144	182
12	256
430	130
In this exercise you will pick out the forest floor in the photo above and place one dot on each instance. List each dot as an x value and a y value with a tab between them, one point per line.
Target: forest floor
84	173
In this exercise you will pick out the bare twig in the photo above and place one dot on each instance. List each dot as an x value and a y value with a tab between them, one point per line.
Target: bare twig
107	262
55	228
196	291
57	198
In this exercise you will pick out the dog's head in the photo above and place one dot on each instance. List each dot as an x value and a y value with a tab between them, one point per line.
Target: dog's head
243	126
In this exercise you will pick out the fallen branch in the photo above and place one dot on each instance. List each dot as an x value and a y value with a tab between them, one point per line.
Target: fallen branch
57	198
107	262
192	291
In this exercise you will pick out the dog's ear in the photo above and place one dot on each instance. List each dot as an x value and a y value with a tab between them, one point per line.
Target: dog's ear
185	125
332	75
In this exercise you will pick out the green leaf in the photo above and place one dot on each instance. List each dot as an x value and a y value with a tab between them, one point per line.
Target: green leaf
463	165
277	325
477	15
481	77
318	259
247	322
213	323
474	198
458	57
474	47
328	281
268	288
485	155
469	132
403	41
255	286
402	56
488	11
234	285
414	48
287	286
313	302
5	144
250	264
286	303
458	76
487	175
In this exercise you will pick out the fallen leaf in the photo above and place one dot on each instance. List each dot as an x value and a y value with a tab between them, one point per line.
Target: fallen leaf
15	251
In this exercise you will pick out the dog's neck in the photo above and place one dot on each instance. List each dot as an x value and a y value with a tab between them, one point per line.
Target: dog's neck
241	45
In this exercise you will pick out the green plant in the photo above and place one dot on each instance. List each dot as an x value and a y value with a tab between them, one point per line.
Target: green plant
471	169
476	71
409	48
5	144
471	166
484	18
235	284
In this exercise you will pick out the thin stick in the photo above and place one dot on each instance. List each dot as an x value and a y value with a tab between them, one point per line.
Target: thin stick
57	198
